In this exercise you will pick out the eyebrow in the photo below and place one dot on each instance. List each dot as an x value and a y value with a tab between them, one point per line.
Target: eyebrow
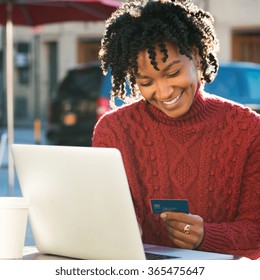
163	70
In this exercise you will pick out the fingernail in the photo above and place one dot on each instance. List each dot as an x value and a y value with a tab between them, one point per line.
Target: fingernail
163	215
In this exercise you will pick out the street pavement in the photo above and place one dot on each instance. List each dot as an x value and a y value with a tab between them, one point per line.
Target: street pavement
21	136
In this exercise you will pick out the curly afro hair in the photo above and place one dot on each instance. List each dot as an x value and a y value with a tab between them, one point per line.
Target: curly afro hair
141	24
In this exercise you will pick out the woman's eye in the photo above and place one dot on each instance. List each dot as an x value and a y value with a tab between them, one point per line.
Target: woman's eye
173	74
146	84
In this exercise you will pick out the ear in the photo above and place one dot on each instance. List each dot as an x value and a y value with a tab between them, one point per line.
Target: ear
196	57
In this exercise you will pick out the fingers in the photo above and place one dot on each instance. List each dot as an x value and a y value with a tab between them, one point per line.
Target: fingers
182	240
178	216
185	230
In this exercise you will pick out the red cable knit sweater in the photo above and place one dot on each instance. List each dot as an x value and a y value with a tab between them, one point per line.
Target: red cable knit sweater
210	156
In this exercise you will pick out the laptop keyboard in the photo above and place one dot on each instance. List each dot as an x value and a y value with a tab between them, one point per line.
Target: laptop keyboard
153	256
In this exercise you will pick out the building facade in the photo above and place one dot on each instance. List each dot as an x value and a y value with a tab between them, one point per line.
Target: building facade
42	55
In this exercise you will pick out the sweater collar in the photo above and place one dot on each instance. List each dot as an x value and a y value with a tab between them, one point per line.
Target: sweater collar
199	111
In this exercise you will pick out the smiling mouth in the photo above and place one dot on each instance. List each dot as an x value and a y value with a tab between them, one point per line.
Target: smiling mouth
174	100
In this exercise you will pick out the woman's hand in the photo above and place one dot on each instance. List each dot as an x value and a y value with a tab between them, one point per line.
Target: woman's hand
185	230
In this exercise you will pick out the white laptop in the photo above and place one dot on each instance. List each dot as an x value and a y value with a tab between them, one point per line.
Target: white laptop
81	206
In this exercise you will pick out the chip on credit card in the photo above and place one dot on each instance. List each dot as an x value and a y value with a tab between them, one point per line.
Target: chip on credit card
169	205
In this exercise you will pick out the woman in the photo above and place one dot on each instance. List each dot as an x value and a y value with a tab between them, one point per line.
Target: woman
177	141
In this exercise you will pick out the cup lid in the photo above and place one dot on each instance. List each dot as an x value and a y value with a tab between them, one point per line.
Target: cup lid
13	202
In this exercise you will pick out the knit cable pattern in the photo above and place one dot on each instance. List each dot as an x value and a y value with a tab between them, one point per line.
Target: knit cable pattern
209	156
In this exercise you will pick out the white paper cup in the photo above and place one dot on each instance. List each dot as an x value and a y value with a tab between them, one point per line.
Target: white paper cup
13	222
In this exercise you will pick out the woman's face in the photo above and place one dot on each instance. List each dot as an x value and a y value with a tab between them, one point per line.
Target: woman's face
172	88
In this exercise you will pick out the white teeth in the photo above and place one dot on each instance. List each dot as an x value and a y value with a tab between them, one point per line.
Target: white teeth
172	101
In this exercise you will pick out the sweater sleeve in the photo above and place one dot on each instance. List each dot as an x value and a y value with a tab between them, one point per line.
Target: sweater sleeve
104	135
242	236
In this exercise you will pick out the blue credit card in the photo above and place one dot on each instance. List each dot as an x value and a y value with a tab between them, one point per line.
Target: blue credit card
169	205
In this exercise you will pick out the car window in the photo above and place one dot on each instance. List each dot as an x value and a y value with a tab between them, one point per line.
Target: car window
226	84
253	82
81	83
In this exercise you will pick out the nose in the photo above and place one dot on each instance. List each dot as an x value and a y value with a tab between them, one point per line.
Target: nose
164	90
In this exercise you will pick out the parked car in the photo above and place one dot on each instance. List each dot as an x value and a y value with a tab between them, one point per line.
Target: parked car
80	99
238	81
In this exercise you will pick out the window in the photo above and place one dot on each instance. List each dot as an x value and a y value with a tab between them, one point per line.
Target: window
88	50
226	83
253	80
246	45
22	63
